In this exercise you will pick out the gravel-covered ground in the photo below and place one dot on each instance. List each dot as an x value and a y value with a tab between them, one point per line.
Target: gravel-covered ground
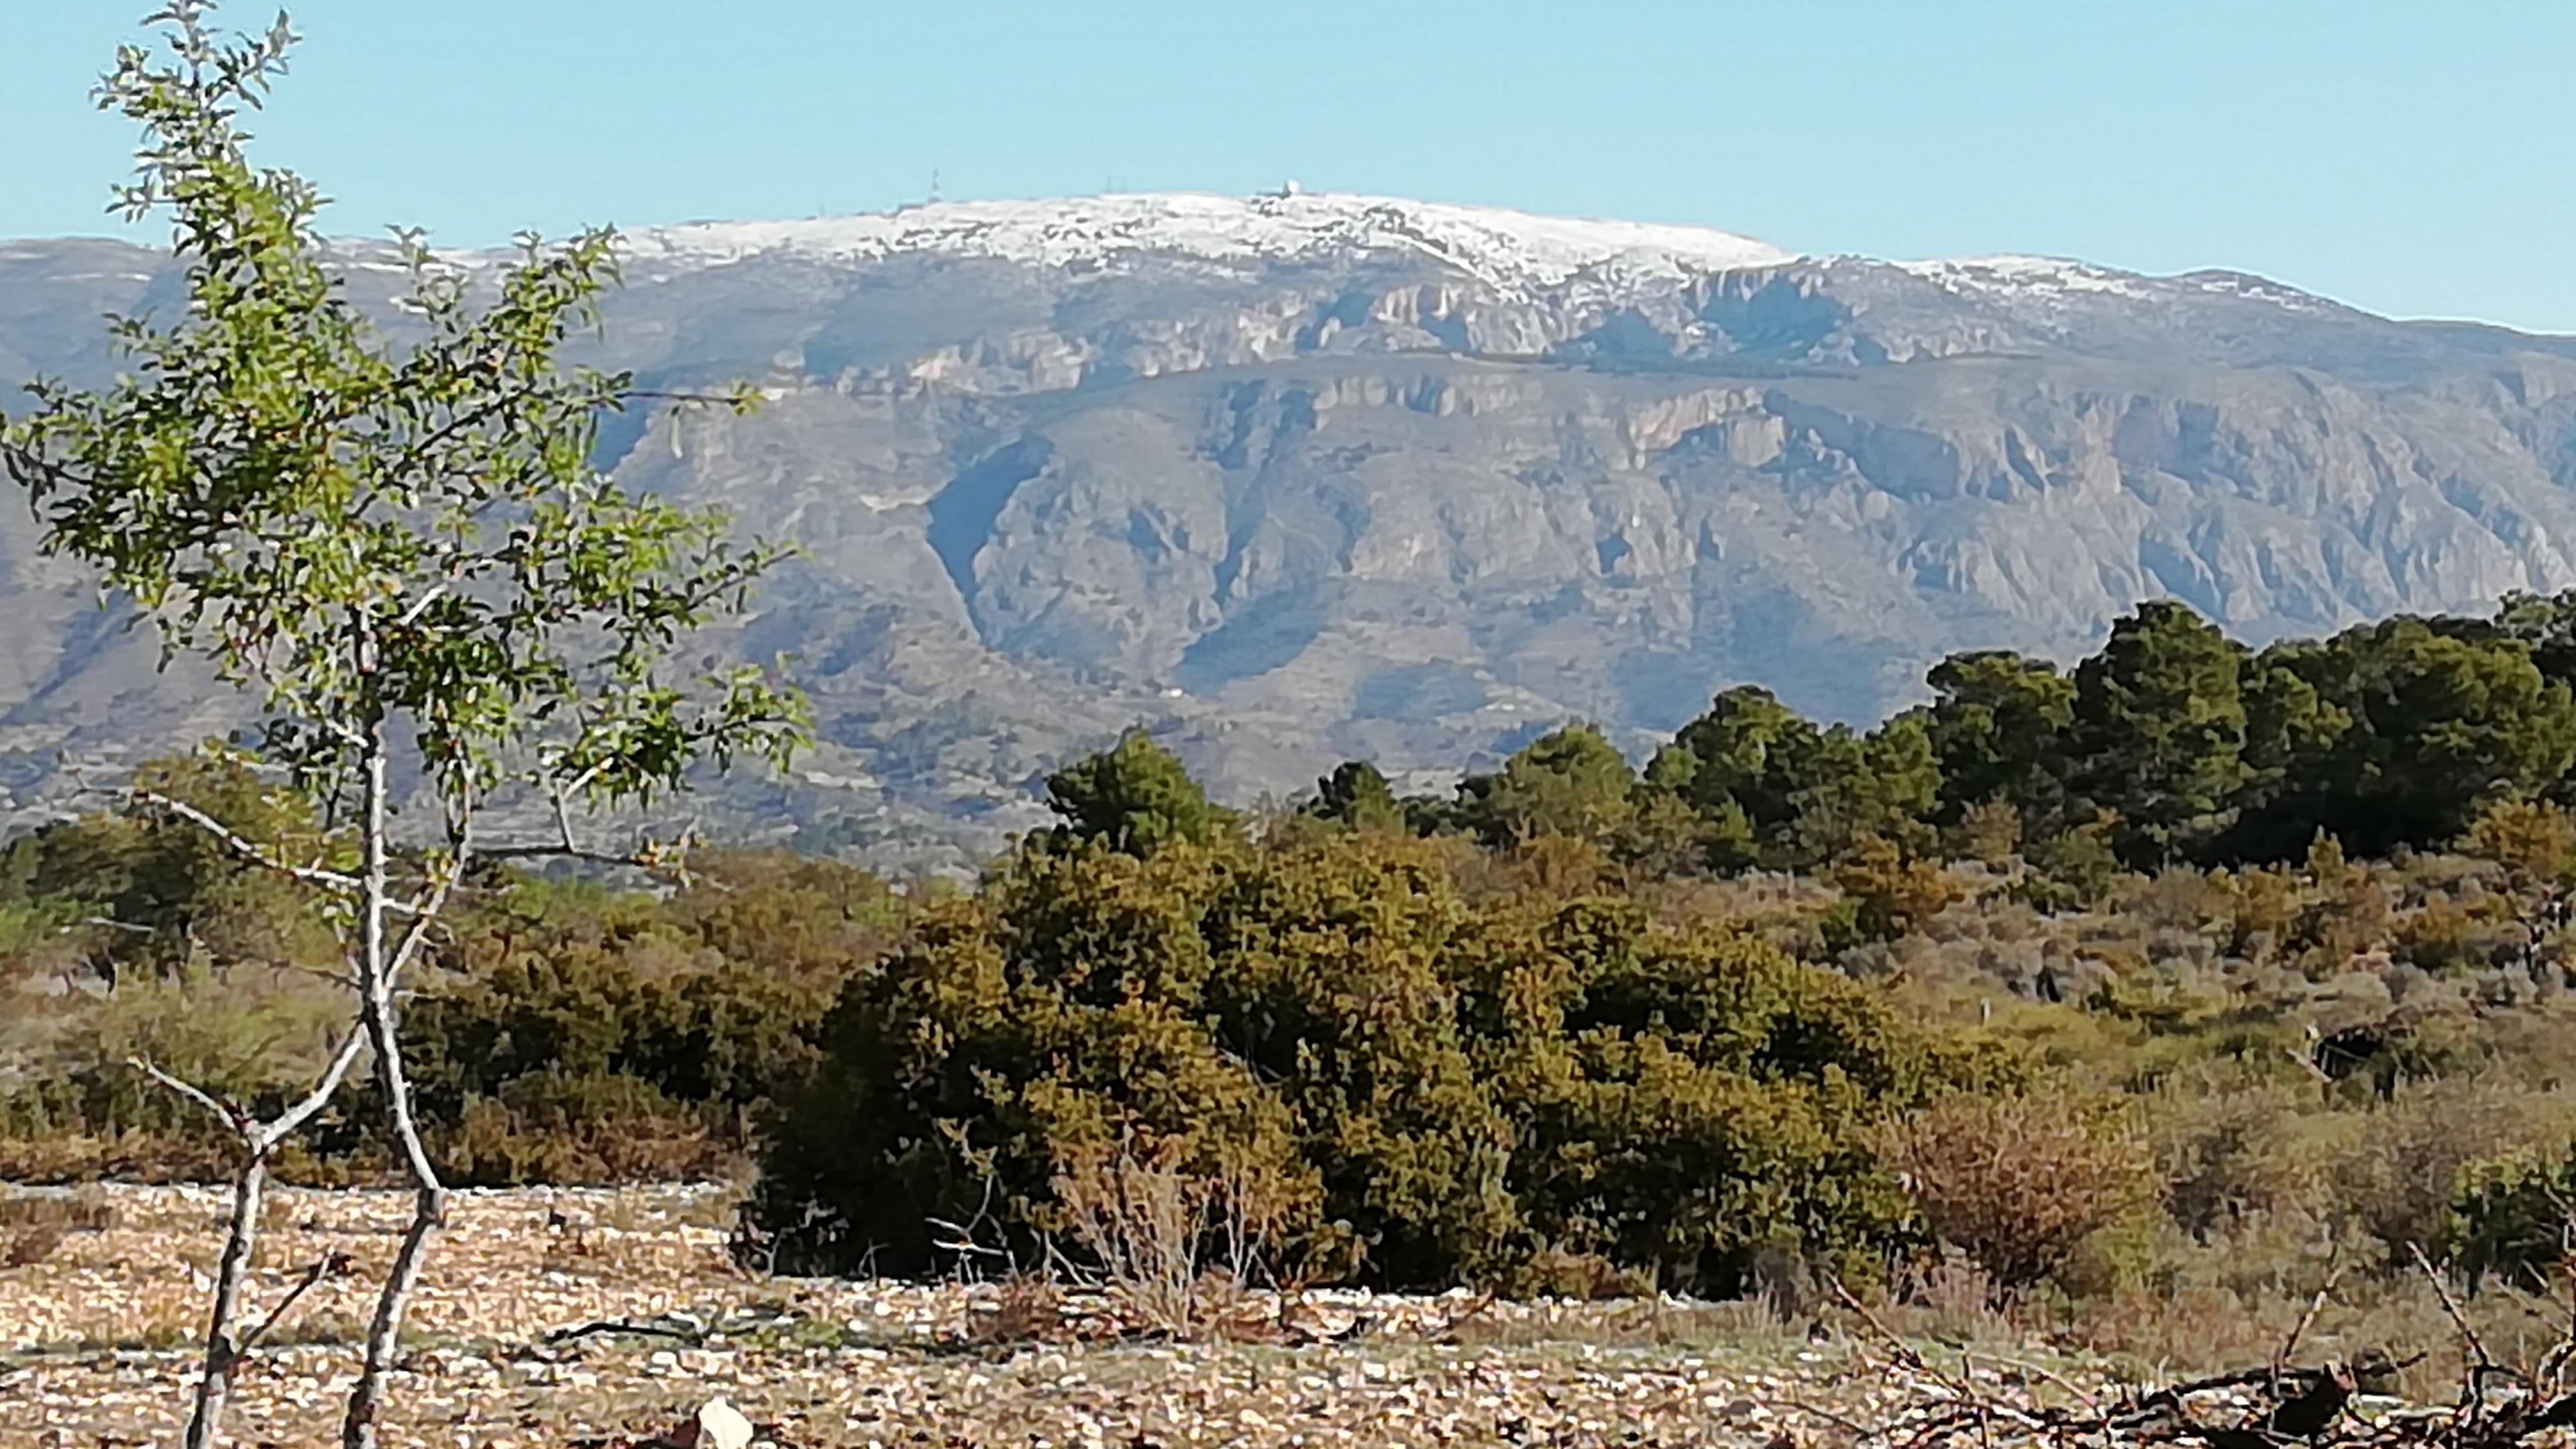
94	1347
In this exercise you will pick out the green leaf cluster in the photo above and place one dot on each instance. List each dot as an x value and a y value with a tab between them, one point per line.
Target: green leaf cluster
375	534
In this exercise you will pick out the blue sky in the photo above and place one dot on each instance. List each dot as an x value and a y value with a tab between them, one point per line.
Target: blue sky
2415	158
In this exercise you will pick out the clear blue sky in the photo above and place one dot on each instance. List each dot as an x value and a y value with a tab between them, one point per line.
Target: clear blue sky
2413	157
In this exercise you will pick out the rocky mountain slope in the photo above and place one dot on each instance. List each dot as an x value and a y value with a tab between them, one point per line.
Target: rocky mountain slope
1298	478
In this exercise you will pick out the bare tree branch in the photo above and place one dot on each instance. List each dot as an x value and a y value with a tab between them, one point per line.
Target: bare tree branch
230	1116
322	1267
259	1141
243	845
255	853
287	1123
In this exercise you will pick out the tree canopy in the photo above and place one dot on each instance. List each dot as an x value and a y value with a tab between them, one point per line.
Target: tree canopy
400	548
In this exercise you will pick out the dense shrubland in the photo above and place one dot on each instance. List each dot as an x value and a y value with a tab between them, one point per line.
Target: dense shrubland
2159	984
1421	1087
568	1030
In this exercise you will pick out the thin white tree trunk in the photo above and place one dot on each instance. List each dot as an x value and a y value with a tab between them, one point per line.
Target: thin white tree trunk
359	1430
259	1142
215	1381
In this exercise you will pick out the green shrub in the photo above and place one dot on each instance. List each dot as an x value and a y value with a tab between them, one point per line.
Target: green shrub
2397	1173
1060	1012
1427	1088
2070	870
564	1032
1891	894
591	1035
2512	1216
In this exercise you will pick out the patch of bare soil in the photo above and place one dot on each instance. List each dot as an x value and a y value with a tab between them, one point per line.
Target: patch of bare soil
606	1318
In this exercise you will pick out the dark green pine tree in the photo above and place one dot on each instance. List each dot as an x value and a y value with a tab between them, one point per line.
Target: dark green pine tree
1998	724
1570	781
2159	730
1357	795
1136	797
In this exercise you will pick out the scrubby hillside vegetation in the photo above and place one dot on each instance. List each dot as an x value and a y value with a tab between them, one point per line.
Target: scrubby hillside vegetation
2173	982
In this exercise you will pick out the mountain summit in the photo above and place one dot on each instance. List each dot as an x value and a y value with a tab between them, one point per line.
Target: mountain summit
1301	477
1501	248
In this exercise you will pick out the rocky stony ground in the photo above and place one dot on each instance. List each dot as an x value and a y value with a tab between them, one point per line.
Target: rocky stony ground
606	1318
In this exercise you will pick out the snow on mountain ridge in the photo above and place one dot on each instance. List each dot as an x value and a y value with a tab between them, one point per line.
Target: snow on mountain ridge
1505	247
2025	274
1602	263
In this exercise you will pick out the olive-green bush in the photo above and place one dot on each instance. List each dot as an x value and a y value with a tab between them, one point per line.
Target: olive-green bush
564	1031
595	1035
1432	1089
2512	1218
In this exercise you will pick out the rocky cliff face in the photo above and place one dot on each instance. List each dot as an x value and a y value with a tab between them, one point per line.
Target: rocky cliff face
1297	479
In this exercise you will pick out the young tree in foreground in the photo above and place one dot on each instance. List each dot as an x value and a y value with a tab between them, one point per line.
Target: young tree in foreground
403	550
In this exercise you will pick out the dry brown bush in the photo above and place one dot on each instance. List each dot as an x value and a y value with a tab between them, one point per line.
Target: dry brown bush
1177	1251
2390	1171
2225	1150
25	1247
1584	1278
1025	1308
2018	1183
71	1212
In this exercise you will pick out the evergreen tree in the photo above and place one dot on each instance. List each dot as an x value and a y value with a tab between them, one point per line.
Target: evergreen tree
2546	624
2438	726
1136	797
1357	795
1743	767
1774	789
1571	781
2158	732
1998	727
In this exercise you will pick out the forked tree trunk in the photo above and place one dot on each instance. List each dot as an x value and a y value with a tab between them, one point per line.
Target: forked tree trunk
259	1142
359	1430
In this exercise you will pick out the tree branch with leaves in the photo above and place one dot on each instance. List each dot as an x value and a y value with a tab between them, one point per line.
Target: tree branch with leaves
403	551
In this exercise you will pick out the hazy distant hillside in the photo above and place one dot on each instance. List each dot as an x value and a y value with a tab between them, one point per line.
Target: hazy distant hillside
1312	477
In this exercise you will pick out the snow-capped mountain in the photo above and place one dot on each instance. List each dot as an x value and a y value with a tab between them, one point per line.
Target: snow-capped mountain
1302	477
1501	248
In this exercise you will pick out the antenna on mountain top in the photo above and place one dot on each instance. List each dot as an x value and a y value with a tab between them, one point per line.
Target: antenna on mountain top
934	184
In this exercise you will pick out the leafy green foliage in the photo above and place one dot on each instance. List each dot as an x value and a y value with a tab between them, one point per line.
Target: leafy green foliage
2158	732
1571	782
1357	795
400	549
2512	1216
1137	797
1743	767
1998	728
386	542
2441	723
577	1023
1436	1088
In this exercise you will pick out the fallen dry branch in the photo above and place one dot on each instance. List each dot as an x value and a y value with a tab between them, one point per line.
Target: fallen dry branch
627	1327
2269	1406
